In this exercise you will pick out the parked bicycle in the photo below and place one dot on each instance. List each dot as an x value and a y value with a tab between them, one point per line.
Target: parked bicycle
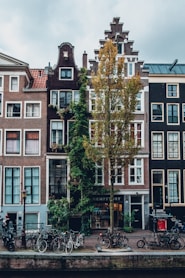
112	240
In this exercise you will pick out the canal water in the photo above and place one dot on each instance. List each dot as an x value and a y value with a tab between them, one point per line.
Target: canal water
100	274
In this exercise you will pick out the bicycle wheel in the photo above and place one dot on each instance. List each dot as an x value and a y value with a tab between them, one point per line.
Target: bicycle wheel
174	245
56	245
140	243
69	247
42	245
123	242
181	241
104	242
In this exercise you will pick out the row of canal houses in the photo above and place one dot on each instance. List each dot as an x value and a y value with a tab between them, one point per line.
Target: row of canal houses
32	137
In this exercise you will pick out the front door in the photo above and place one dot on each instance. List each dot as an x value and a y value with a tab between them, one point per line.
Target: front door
137	223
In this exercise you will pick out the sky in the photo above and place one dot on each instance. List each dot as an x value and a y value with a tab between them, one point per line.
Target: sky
32	30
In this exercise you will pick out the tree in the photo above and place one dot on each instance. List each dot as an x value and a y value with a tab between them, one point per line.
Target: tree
81	167
116	99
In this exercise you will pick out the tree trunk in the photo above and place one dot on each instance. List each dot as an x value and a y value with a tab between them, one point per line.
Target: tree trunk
112	207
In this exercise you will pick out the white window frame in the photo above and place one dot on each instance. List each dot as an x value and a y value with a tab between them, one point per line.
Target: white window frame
135	123
153	157
177	192
26	116
39	142
1	141
56	144
176	146
12	103
177	90
183	112
178	114
92	138
1	104
99	166
136	168
1	83
66	68
10	83
130	69
153	116
20	145
17	190
117	168
140	102
29	189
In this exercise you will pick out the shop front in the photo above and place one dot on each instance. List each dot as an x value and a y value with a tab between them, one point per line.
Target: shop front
100	218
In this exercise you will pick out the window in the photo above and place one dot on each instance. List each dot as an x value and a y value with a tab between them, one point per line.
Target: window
65	99
130	70
157	145
173	186
172	90
65	73
136	131
12	185
117	172
0	141
1	83
57	178
32	142
157	112
62	99
56	133
140	102
184	145
31	184
1	104
99	174
173	145
96	133
173	113
183	112
119	47
157	177
32	222
13	110
13	142
33	110
136	171
14	83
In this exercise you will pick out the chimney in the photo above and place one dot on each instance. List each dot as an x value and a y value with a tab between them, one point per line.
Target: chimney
84	60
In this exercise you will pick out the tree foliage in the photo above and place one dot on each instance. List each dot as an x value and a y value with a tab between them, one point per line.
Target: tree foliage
114	106
81	167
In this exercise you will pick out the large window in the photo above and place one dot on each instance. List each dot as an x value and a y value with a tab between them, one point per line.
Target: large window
31	184
13	142
0	141
62	99
140	101
57	178
12	185
96	133
173	186
57	133
13	110
14	84
66	73
173	145
157	145
136	171
173	113
32	142
157	113
33	110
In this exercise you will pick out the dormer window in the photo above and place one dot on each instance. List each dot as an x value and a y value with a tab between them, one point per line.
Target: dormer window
65	54
66	74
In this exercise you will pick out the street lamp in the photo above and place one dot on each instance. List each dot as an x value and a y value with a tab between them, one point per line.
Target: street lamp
24	223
